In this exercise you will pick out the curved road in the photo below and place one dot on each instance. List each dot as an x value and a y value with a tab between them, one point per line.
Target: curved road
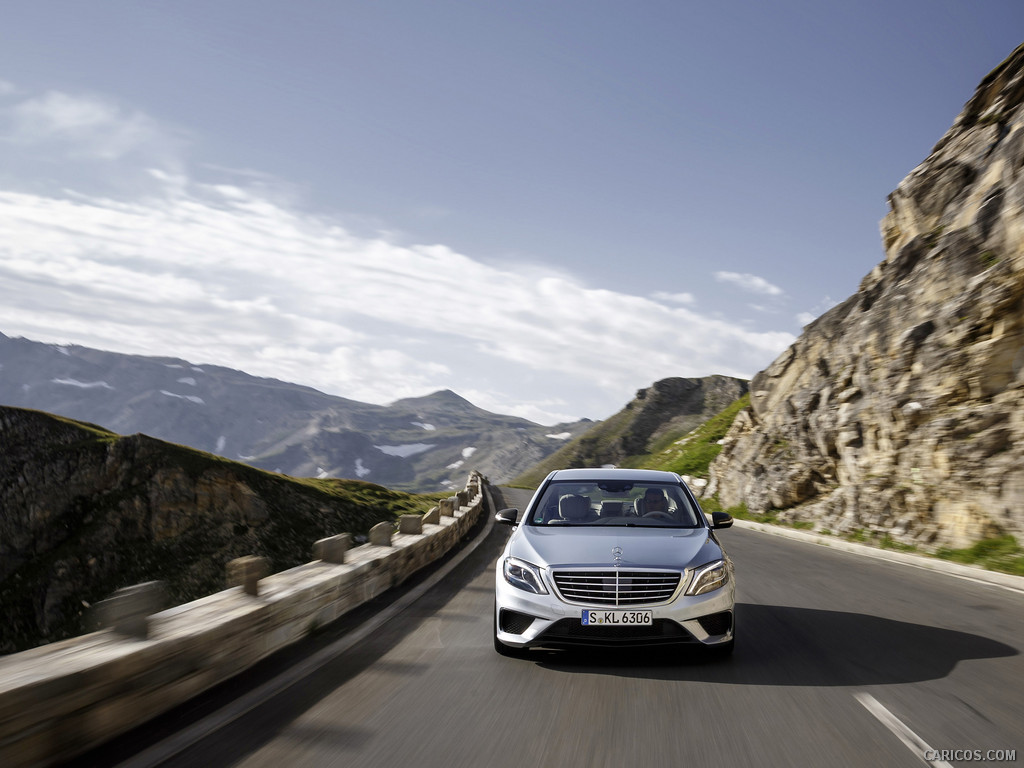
840	660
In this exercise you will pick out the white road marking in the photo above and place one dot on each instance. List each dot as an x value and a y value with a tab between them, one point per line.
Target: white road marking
914	743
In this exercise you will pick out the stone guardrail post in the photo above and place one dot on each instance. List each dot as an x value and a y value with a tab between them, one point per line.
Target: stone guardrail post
333	548
127	611
410	524
380	534
247	572
447	507
433	516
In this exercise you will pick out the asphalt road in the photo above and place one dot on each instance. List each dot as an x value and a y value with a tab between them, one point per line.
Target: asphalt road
840	660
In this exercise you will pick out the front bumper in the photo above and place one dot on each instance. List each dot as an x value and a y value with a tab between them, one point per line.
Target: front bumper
527	620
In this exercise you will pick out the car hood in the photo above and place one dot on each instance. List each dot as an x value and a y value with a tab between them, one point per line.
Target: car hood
670	548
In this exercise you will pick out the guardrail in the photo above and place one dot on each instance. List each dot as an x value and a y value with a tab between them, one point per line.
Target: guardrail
60	700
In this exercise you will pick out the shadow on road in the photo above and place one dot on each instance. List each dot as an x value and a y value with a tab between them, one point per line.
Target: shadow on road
780	645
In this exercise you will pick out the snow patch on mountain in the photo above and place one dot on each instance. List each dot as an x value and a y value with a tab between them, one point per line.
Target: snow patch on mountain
191	398
404	451
81	384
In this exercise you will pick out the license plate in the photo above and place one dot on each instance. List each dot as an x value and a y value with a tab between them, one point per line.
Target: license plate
617	618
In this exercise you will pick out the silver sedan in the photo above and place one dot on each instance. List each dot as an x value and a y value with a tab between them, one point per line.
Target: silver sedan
610	557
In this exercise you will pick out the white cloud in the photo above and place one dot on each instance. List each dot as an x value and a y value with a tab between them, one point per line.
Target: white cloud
221	274
7	88
86	127
674	298
750	283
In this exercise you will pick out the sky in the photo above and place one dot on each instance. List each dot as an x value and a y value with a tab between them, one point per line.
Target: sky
543	206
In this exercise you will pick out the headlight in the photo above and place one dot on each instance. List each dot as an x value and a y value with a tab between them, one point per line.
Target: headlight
521	574
708	578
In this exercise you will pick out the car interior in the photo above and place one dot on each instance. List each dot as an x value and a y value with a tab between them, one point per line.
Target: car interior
624	504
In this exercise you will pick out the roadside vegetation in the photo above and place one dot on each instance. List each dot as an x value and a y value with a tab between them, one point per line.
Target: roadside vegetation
1002	553
693	453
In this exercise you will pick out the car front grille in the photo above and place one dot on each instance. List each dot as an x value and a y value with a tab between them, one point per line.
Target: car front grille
617	587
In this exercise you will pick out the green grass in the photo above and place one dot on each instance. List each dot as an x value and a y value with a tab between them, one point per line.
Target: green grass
693	454
1002	553
888	542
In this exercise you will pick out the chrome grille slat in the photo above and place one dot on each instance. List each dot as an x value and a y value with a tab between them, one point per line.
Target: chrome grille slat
616	587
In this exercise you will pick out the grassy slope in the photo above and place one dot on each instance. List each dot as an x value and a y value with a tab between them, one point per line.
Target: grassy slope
101	535
693	453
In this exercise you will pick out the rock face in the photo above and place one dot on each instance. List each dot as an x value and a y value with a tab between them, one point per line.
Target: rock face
901	411
84	512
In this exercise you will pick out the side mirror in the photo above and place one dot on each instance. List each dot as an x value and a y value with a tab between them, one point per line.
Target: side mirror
507	516
721	520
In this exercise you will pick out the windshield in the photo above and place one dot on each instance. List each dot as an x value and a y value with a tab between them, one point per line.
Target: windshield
658	505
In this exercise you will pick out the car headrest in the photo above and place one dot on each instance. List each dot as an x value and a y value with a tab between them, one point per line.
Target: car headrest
573	507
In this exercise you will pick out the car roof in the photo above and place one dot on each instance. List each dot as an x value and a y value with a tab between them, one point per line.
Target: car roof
608	473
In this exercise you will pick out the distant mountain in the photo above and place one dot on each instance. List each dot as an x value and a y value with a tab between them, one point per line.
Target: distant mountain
84	512
419	444
657	416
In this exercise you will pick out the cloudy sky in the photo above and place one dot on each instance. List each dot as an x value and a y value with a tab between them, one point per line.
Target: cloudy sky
542	205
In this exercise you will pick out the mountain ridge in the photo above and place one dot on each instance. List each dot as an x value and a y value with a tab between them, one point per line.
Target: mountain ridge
416	444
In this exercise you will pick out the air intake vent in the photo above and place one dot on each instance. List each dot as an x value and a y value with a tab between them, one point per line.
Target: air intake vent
572	632
514	622
716	623
617	587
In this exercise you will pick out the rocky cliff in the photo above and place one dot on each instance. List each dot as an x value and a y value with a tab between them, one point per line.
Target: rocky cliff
901	411
84	512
